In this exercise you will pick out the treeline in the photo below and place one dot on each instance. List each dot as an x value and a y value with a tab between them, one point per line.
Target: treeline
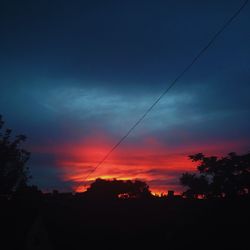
224	177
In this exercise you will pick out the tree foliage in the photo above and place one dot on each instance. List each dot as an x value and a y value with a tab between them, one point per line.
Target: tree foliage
227	176
13	171
101	188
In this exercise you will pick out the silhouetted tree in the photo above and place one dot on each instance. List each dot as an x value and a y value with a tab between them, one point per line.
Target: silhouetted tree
118	188
218	177
13	171
198	185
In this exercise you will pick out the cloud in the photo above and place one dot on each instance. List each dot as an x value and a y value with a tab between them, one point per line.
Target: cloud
152	159
74	93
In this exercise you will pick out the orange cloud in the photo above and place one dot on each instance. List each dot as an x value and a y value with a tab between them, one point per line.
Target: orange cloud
151	160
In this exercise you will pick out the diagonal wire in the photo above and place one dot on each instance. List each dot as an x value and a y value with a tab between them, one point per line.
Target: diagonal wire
194	60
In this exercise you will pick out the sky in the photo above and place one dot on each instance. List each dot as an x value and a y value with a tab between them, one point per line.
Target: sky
76	75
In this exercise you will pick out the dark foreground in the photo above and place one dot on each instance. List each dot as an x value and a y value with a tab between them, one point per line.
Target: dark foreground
77	223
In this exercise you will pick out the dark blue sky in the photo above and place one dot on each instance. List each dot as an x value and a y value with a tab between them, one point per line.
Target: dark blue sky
75	71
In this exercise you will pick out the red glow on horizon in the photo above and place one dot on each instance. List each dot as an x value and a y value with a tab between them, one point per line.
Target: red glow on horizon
152	161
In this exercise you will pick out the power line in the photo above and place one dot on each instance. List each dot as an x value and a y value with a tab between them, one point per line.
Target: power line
195	59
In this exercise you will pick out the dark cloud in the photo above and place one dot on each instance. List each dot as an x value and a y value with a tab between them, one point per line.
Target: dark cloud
117	42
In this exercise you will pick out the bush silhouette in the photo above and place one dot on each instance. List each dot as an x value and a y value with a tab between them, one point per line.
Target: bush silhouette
13	171
228	176
101	188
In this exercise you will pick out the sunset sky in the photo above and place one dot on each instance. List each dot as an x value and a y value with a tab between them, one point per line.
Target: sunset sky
76	75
